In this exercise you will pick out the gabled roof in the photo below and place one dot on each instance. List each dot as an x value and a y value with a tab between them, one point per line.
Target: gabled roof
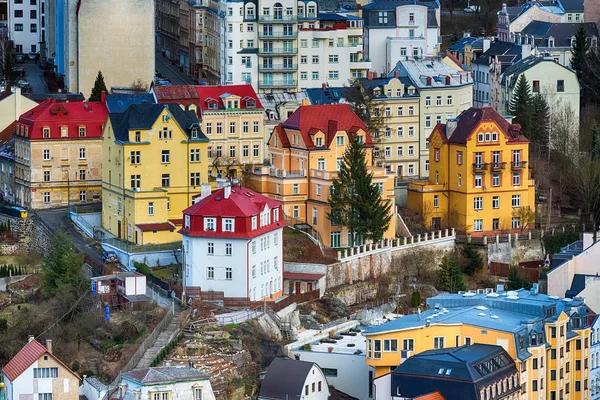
143	116
328	119
285	379
512	73
469	119
156	375
430	396
215	92
118	103
242	202
461	43
507	53
176	93
561	32
392	4
28	354
328	95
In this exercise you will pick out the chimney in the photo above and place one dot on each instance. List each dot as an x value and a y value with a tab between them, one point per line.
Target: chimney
17	103
428	80
396	74
504	8
447	80
374	74
369	75
30	339
486	44
305	102
450	127
103	97
205	191
323	86
227	191
466	34
49	345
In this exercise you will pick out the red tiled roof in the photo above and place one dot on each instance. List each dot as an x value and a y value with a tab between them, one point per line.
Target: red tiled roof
431	396
178	221
298	276
28	354
177	92
454	59
8	133
160	226
215	92
469	120
328	119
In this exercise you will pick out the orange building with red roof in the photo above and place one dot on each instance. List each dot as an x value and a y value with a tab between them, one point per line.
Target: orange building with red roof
479	182
232	119
35	373
306	151
58	154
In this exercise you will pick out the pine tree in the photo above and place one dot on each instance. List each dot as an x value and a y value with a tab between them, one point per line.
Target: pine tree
595	152
473	259
99	87
520	105
450	276
415	300
538	132
578	61
355	201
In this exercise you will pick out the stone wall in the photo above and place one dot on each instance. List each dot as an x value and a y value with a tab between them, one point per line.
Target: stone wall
34	235
513	252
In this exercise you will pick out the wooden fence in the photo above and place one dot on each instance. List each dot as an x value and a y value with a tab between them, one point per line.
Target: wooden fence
529	270
241	302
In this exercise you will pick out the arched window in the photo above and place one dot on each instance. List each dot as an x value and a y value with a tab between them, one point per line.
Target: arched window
278	11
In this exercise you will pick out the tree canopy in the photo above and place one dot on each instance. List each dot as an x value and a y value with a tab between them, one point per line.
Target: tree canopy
530	111
62	270
355	200
450	276
99	87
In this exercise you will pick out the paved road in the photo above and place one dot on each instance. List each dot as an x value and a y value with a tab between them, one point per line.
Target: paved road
171	72
34	76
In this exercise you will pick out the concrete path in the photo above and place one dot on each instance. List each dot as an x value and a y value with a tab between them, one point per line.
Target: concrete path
162	340
171	72
34	76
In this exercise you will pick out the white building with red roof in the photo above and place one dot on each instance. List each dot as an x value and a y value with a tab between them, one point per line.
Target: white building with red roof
233	243
35	373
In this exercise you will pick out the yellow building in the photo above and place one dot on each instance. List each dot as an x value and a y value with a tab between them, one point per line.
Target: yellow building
306	152
58	154
478	182
154	161
548	337
397	144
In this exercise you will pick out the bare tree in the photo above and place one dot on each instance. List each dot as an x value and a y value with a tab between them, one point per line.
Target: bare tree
526	217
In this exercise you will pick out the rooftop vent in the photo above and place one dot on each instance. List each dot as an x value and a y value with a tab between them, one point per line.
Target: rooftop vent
482	314
482	308
495	317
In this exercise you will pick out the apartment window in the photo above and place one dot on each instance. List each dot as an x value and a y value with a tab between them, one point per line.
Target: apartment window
166	157
321	164
194	155
82	131
82	174
516	200
46	176
459	157
400	132
427	101
449	100
411	110
135	181
516	221
411	131
18	27
150	208
296	211
210	248
411	151
496	202
560	85
534	385
46	132
390	345
388	152
210	273
228	225
408	344
383	17
296	188
209	128
195	179
535	87
478	203
18	13
219	128
496	180
315	75
138	136
516	179
438	342
459	178
478	225
228	273
333	59
333	75
428	121
438	100
400	111
46	154
436	201
315	59
478	181
46	197
228	249
400	151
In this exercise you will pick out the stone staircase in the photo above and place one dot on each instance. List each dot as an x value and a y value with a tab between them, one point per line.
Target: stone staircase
163	339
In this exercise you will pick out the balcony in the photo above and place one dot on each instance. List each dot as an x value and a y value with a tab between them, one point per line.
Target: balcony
518	165
289	50
362	64
480	167
279	173
278	35
277	18
277	67
498	166
278	84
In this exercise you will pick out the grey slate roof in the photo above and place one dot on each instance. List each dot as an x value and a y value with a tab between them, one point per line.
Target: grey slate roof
512	52
118	103
284	379
573	5
94	382
392	4
461	43
142	116
561	32
510	76
164	375
329	95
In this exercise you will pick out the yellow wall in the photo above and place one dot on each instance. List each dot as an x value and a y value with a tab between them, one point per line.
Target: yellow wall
116	181
454	183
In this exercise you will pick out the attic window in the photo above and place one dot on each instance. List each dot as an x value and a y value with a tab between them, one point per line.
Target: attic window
46	133
319	142
441	371
194	133
64	131
213	106
550	42
250	103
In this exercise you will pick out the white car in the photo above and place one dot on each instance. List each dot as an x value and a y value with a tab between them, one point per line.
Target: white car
472	9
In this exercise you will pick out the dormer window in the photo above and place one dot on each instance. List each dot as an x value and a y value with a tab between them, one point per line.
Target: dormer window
46	133
550	42
319	142
82	131
360	139
572	41
194	133
209	224
187	222
534	340
276	215
227	224
64	131
254	222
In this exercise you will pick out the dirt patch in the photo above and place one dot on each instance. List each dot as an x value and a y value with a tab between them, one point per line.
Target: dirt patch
32	282
297	247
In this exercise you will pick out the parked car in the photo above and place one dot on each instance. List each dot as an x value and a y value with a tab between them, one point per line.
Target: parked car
20	71
472	9
33	56
109	257
20	58
44	64
22	83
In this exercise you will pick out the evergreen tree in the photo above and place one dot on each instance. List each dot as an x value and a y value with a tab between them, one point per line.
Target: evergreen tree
578	61
62	270
516	281
538	131
415	300
355	201
450	276
99	87
473	260
520	105
595	152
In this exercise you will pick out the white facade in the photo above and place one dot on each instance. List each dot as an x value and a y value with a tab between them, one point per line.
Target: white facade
185	390
240	34
25	386
24	25
253	269
400	34
595	360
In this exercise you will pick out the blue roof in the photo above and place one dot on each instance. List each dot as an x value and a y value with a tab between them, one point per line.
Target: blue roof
392	4
332	17
118	103
329	95
461	43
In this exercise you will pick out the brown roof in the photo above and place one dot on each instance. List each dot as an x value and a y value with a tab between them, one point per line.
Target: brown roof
159	226
8	133
29	354
431	396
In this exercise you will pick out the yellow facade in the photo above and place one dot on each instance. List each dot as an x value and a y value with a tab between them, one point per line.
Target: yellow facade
150	175
397	144
479	182
300	176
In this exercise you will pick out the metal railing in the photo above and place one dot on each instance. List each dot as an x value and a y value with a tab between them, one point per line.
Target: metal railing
497	166
518	164
277	18
480	166
278	67
278	35
288	50
141	248
277	83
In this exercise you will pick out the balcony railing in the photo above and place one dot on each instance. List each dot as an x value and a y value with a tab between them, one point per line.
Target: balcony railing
518	164
277	67
289	50
279	173
276	18
278	35
264	84
498	166
480	167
